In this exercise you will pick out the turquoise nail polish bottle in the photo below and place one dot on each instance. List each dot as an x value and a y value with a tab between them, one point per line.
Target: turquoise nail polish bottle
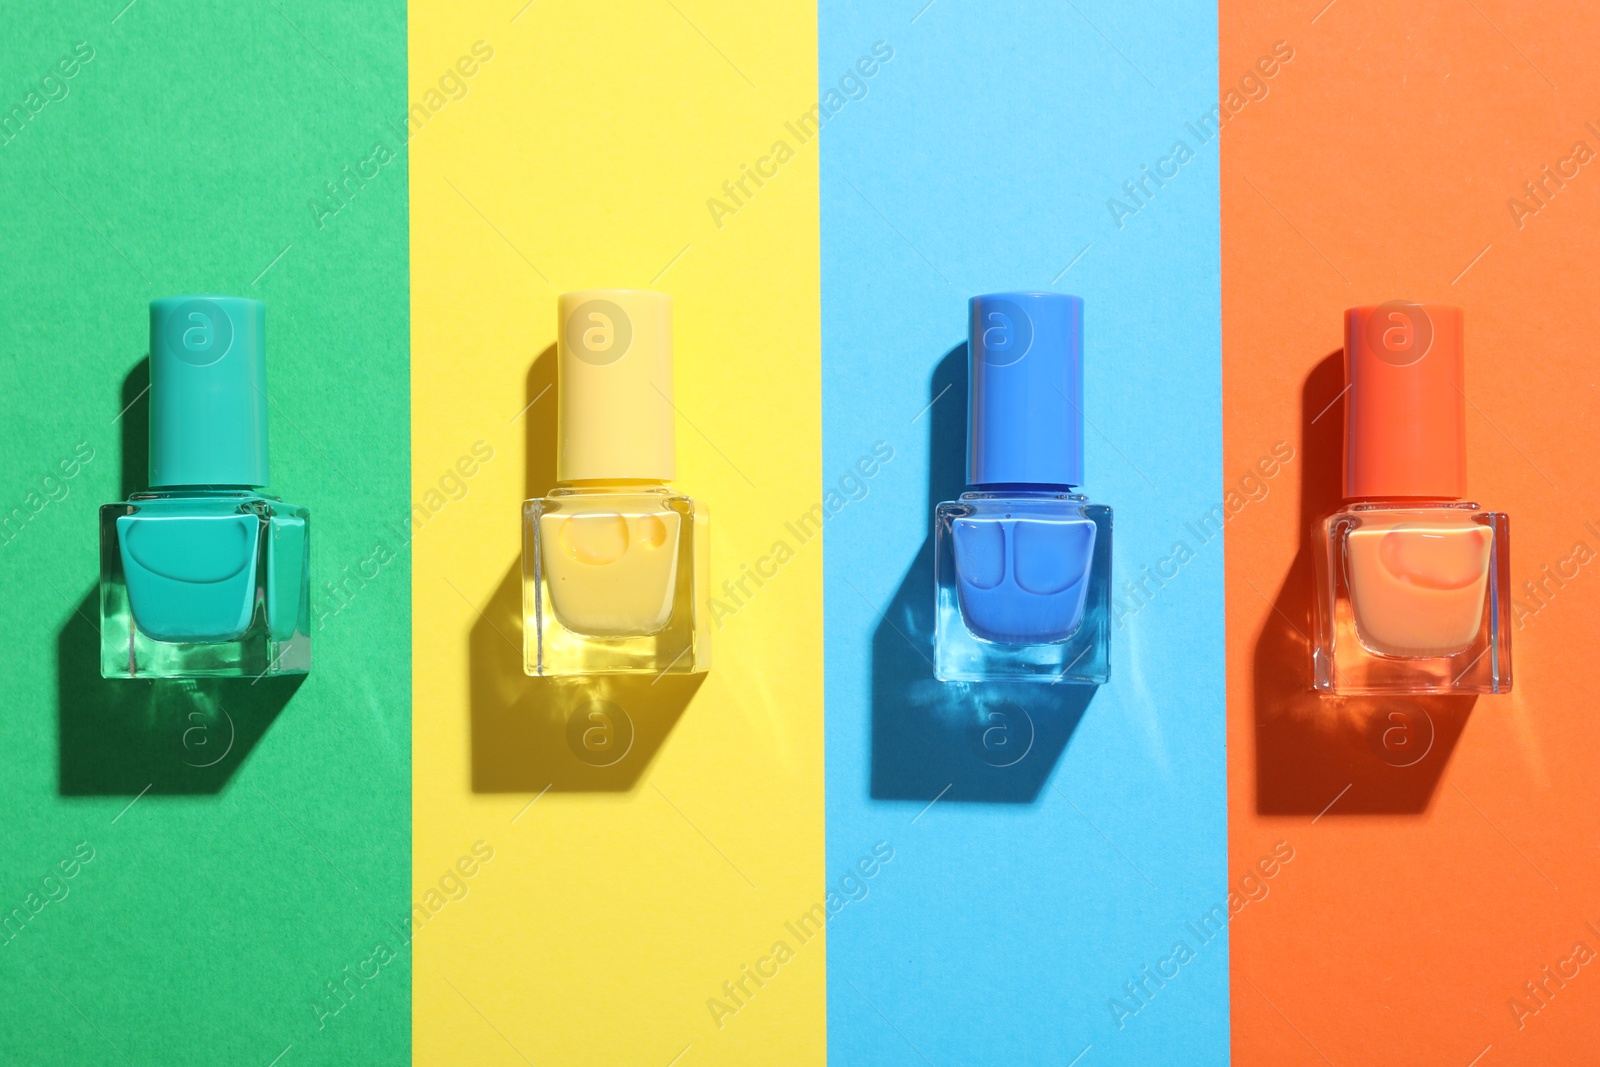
202	575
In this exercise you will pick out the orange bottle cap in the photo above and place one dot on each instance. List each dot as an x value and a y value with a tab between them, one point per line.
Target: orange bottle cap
1406	425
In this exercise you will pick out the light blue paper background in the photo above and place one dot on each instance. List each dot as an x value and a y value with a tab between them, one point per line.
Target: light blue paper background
1018	904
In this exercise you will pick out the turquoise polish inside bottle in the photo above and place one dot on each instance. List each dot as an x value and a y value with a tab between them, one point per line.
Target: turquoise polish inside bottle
203	575
189	575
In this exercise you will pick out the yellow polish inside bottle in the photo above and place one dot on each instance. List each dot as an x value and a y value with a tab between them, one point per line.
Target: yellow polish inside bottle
610	574
615	561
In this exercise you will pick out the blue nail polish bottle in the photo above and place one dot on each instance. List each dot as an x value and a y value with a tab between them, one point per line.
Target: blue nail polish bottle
202	575
1022	562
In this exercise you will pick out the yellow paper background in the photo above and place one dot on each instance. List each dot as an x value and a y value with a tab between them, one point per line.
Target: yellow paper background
581	155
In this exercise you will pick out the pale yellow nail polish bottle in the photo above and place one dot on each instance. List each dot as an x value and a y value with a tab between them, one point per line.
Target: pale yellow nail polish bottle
614	562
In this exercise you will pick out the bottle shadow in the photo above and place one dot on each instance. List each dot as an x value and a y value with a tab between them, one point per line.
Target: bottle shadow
1319	754
593	734
121	737
990	742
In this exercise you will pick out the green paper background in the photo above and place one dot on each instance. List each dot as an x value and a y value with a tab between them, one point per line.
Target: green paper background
270	848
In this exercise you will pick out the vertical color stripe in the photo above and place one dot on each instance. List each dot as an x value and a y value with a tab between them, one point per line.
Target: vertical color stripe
249	841
619	899
1046	853
1444	849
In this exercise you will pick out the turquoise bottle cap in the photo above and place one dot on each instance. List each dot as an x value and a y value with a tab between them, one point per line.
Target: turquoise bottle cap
208	391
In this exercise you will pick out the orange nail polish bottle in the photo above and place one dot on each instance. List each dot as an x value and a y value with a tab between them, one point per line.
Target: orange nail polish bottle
1412	578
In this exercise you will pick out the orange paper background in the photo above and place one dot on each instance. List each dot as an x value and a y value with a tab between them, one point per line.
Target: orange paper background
1380	166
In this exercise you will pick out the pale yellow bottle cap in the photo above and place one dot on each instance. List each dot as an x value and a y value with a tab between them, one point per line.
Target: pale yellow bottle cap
614	354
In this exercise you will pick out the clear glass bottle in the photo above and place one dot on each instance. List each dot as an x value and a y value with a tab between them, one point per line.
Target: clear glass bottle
1413	600
614	562
203	575
1023	587
1412	580
1022	563
200	583
617	582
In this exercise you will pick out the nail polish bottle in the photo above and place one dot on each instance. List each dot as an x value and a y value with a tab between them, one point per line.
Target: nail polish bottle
614	562
1412	578
1023	562
203	575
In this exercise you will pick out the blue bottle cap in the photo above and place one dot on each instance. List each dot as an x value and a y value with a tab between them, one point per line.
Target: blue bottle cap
208	391
1025	423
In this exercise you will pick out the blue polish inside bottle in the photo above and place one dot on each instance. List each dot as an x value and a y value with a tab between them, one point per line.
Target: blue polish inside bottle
1023	580
1022	561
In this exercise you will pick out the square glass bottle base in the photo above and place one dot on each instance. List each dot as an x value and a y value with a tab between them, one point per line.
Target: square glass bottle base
204	584
961	657
1014	566
1412	599
127	652
614	581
